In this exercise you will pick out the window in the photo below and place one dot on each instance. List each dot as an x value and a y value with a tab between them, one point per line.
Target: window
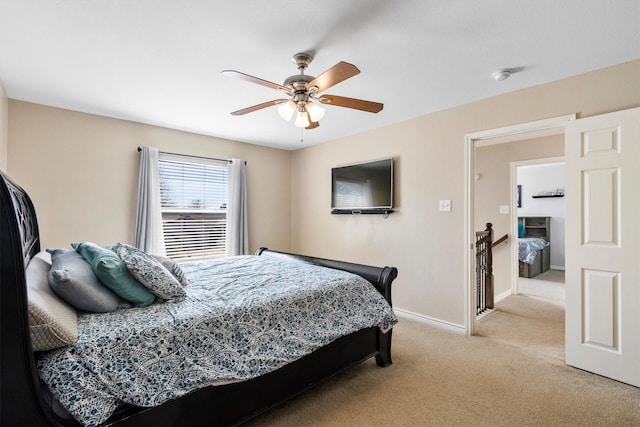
193	200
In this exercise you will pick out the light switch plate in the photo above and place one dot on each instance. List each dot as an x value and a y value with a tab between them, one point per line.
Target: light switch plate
504	209
445	205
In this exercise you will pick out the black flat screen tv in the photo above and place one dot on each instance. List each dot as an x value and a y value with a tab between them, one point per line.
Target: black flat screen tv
363	188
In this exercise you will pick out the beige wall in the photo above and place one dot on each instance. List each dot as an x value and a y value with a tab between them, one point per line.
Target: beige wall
426	245
82	171
493	163
4	127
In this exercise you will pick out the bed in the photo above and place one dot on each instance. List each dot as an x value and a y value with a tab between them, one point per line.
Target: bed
533	253
534	238
25	399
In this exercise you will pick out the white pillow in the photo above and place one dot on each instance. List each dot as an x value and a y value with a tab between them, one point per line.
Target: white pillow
53	323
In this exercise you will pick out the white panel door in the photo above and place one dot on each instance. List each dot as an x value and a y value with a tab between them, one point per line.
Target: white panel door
602	157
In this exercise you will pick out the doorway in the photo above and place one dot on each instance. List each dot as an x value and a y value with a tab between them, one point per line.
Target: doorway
601	315
547	127
540	187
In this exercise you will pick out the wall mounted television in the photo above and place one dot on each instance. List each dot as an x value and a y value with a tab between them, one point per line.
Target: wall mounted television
363	188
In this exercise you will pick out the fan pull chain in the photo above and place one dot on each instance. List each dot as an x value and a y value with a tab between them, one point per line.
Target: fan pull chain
301	135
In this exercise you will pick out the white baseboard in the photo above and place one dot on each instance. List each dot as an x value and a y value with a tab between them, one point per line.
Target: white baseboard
500	297
556	267
430	321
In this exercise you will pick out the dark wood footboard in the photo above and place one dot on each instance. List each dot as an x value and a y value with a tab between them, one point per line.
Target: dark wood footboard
23	402
380	277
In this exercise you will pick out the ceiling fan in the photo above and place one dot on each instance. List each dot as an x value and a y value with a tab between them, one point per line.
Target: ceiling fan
304	92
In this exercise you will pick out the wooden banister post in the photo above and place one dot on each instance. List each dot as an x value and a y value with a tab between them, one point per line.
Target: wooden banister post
489	279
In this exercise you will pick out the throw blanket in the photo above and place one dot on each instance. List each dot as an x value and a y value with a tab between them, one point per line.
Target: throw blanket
243	317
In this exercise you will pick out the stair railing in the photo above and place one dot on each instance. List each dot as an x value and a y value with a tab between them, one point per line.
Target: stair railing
484	269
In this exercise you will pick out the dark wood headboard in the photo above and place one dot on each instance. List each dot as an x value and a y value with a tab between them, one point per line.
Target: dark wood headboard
19	381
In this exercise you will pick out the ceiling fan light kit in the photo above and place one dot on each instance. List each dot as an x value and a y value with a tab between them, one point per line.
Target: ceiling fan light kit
302	120
287	109
304	90
315	111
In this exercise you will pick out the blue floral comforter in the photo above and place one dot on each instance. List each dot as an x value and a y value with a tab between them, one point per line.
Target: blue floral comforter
243	317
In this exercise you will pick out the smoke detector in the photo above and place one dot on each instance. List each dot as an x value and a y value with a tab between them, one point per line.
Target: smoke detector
502	74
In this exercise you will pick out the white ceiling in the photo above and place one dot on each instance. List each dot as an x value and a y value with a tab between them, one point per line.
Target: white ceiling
159	62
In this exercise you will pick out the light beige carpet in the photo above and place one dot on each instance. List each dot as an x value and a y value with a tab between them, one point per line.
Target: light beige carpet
549	284
511	374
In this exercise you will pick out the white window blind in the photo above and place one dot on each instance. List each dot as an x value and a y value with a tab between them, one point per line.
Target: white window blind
193	199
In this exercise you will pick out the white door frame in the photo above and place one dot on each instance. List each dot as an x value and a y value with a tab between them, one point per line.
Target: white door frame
551	126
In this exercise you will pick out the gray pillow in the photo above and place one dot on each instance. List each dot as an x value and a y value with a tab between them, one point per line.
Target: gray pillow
151	273
73	280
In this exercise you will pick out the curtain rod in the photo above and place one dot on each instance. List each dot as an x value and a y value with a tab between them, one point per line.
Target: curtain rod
189	155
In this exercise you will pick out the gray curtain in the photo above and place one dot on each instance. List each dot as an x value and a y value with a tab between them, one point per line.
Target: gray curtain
237	231
147	234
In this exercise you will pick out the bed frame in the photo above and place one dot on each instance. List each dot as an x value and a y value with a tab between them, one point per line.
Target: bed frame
541	263
23	401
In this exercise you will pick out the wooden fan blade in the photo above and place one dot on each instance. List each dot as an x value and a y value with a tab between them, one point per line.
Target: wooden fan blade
356	104
259	107
252	79
334	75
312	124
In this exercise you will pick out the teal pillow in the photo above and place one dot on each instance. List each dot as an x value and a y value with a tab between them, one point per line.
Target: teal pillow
112	272
72	279
521	230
